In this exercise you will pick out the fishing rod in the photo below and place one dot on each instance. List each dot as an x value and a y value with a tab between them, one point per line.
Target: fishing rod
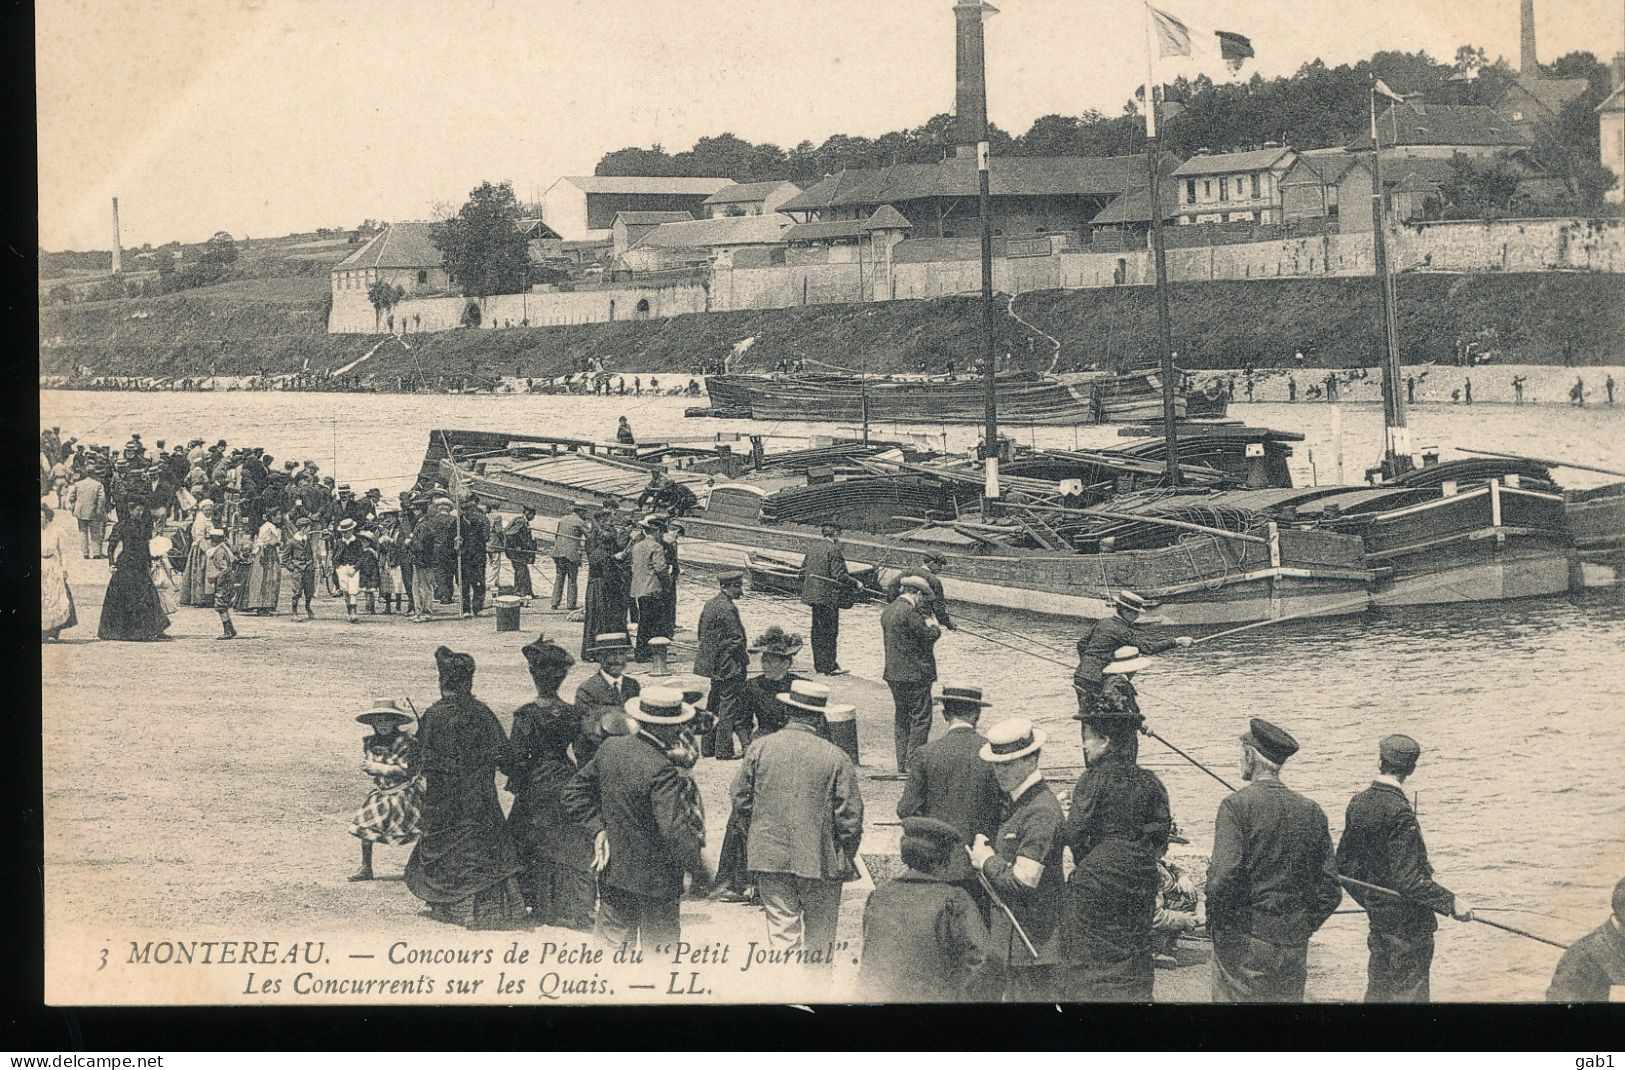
1352	883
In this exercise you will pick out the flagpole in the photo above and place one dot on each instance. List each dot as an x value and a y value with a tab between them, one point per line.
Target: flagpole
1396	437
1165	357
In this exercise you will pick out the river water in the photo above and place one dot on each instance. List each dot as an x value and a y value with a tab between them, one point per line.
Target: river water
1521	790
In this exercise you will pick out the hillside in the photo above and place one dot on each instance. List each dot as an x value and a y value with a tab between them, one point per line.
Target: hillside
276	326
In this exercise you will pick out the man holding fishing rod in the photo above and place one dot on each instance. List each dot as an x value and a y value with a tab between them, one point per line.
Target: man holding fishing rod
1099	645
1382	845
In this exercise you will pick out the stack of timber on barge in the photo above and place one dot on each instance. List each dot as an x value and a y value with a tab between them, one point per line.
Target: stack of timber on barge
1023	398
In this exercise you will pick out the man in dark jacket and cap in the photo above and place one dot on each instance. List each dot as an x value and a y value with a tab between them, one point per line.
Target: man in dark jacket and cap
1592	970
1272	881
827	588
1099	645
723	657
923	938
1382	845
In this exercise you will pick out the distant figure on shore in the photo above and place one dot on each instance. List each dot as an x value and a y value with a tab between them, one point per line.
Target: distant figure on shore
1331	387
1292	387
1467	390
623	433
1608	385
1517	388
1577	392
1249	386
1410	390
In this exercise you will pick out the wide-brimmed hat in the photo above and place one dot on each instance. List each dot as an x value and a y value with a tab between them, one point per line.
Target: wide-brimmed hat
1129	600
776	641
1012	739
660	705
1274	743
605	642
915	583
1126	659
810	697
693	687
347	524
385	709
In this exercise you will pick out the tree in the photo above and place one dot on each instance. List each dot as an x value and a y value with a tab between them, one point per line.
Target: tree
481	246
1470	58
383	297
220	252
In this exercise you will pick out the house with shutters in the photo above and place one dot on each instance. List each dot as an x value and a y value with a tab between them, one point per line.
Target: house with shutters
1232	187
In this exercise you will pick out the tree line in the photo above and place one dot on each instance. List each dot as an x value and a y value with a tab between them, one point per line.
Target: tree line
1317	106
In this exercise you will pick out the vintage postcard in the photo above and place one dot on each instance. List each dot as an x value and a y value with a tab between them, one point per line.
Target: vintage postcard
741	502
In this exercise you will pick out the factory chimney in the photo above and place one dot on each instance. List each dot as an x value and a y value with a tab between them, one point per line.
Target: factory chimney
970	76
1528	64
118	247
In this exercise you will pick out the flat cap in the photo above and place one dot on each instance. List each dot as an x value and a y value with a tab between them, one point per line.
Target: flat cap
1275	744
1399	750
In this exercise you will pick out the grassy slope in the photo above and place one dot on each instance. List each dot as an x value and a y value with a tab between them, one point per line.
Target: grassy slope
277	325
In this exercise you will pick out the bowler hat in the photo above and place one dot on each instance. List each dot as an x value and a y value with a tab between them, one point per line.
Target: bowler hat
1399	750
1274	744
1012	739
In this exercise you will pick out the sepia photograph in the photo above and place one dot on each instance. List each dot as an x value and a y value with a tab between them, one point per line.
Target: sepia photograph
644	504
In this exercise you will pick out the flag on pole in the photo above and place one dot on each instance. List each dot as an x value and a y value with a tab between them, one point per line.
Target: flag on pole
1381	88
1174	38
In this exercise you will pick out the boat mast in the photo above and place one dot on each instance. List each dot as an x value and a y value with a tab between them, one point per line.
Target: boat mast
1165	345
971	115
1396	454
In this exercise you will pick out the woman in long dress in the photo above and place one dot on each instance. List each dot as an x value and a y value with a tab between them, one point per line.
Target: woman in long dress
557	851
1117	827
56	600
465	864
194	590
604	608
130	610
265	574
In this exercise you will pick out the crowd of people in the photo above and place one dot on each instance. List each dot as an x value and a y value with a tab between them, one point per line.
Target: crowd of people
1009	890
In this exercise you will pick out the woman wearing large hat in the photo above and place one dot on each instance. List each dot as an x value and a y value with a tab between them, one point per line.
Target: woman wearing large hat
760	711
394	806
555	848
465	864
1117	828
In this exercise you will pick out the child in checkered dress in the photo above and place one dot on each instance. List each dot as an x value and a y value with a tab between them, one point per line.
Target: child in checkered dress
394	806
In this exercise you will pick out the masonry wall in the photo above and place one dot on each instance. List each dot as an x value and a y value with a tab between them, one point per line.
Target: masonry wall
353	313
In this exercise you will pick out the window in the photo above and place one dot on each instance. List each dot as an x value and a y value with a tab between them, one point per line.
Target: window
1256	194
1190	191
1224	189
423	278
1207	189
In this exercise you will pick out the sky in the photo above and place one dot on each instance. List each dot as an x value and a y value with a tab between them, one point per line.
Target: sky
267	117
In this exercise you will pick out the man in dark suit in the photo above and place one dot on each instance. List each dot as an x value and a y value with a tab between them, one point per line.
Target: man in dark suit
648	829
1272	881
604	692
947	779
1100	643
723	659
937	606
797	796
911	665
1382	845
825	586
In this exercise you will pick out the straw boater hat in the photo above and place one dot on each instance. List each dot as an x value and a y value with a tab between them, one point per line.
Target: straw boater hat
347	524
605	642
1126	659
961	696
1130	600
810	697
385	709
660	705
915	583
1012	739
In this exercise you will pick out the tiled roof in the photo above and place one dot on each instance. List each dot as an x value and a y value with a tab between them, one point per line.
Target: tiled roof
745	192
1553	94
887	218
651	218
706	233
1321	167
1134	206
1011	176
1231	163
650	184
1614	101
838	228
401	245
1441	124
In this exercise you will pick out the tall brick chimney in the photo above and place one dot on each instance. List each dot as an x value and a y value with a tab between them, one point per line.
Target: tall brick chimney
1528	64
970	75
118	245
